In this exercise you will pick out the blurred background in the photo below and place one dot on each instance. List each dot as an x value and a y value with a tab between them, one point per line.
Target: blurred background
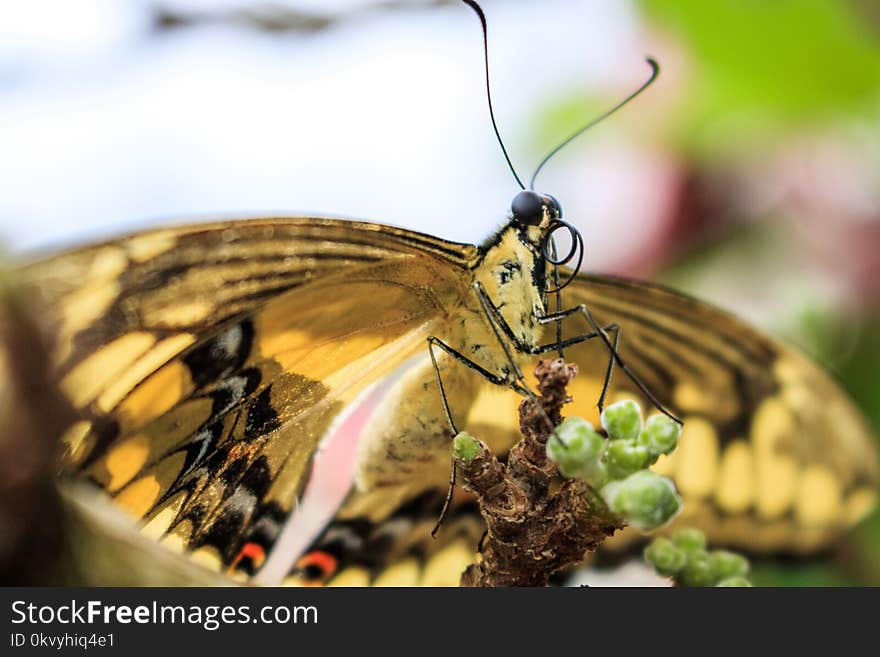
748	175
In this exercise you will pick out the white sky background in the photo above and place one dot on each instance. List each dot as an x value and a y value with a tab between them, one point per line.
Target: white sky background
105	127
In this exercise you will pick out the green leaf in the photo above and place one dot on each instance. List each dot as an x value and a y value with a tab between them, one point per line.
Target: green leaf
763	67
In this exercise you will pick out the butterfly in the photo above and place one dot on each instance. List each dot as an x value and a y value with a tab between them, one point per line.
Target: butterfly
208	362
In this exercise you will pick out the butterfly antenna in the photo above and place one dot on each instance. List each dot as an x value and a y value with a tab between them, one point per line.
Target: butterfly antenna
479	11
655	71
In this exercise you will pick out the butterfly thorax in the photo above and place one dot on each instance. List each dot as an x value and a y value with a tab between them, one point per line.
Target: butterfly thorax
512	273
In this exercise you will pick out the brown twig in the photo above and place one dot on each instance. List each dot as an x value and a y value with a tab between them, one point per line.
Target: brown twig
538	523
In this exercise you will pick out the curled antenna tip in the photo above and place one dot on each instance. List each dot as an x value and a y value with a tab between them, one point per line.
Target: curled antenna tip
655	71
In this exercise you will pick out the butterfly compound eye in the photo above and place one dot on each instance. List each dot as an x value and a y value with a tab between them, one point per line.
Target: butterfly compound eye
528	208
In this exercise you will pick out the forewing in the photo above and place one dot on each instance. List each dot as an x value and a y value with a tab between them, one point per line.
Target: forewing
130	304
202	408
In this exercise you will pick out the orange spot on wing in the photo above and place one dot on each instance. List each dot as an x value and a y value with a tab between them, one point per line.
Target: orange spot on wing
318	560
252	551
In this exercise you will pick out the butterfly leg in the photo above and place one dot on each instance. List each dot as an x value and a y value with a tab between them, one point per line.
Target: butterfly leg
496	319
515	380
482	371
467	362
495	314
615	356
499	325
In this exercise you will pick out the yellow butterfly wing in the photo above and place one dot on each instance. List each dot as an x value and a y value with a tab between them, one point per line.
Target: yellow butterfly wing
209	361
159	291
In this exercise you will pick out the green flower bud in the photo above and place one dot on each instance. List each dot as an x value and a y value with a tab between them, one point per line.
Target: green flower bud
622	420
727	564
734	581
665	557
689	539
645	499
465	447
595	473
576	447
625	457
697	570
660	435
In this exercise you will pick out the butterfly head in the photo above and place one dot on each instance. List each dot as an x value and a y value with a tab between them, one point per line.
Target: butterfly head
535	216
532	209
538	217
